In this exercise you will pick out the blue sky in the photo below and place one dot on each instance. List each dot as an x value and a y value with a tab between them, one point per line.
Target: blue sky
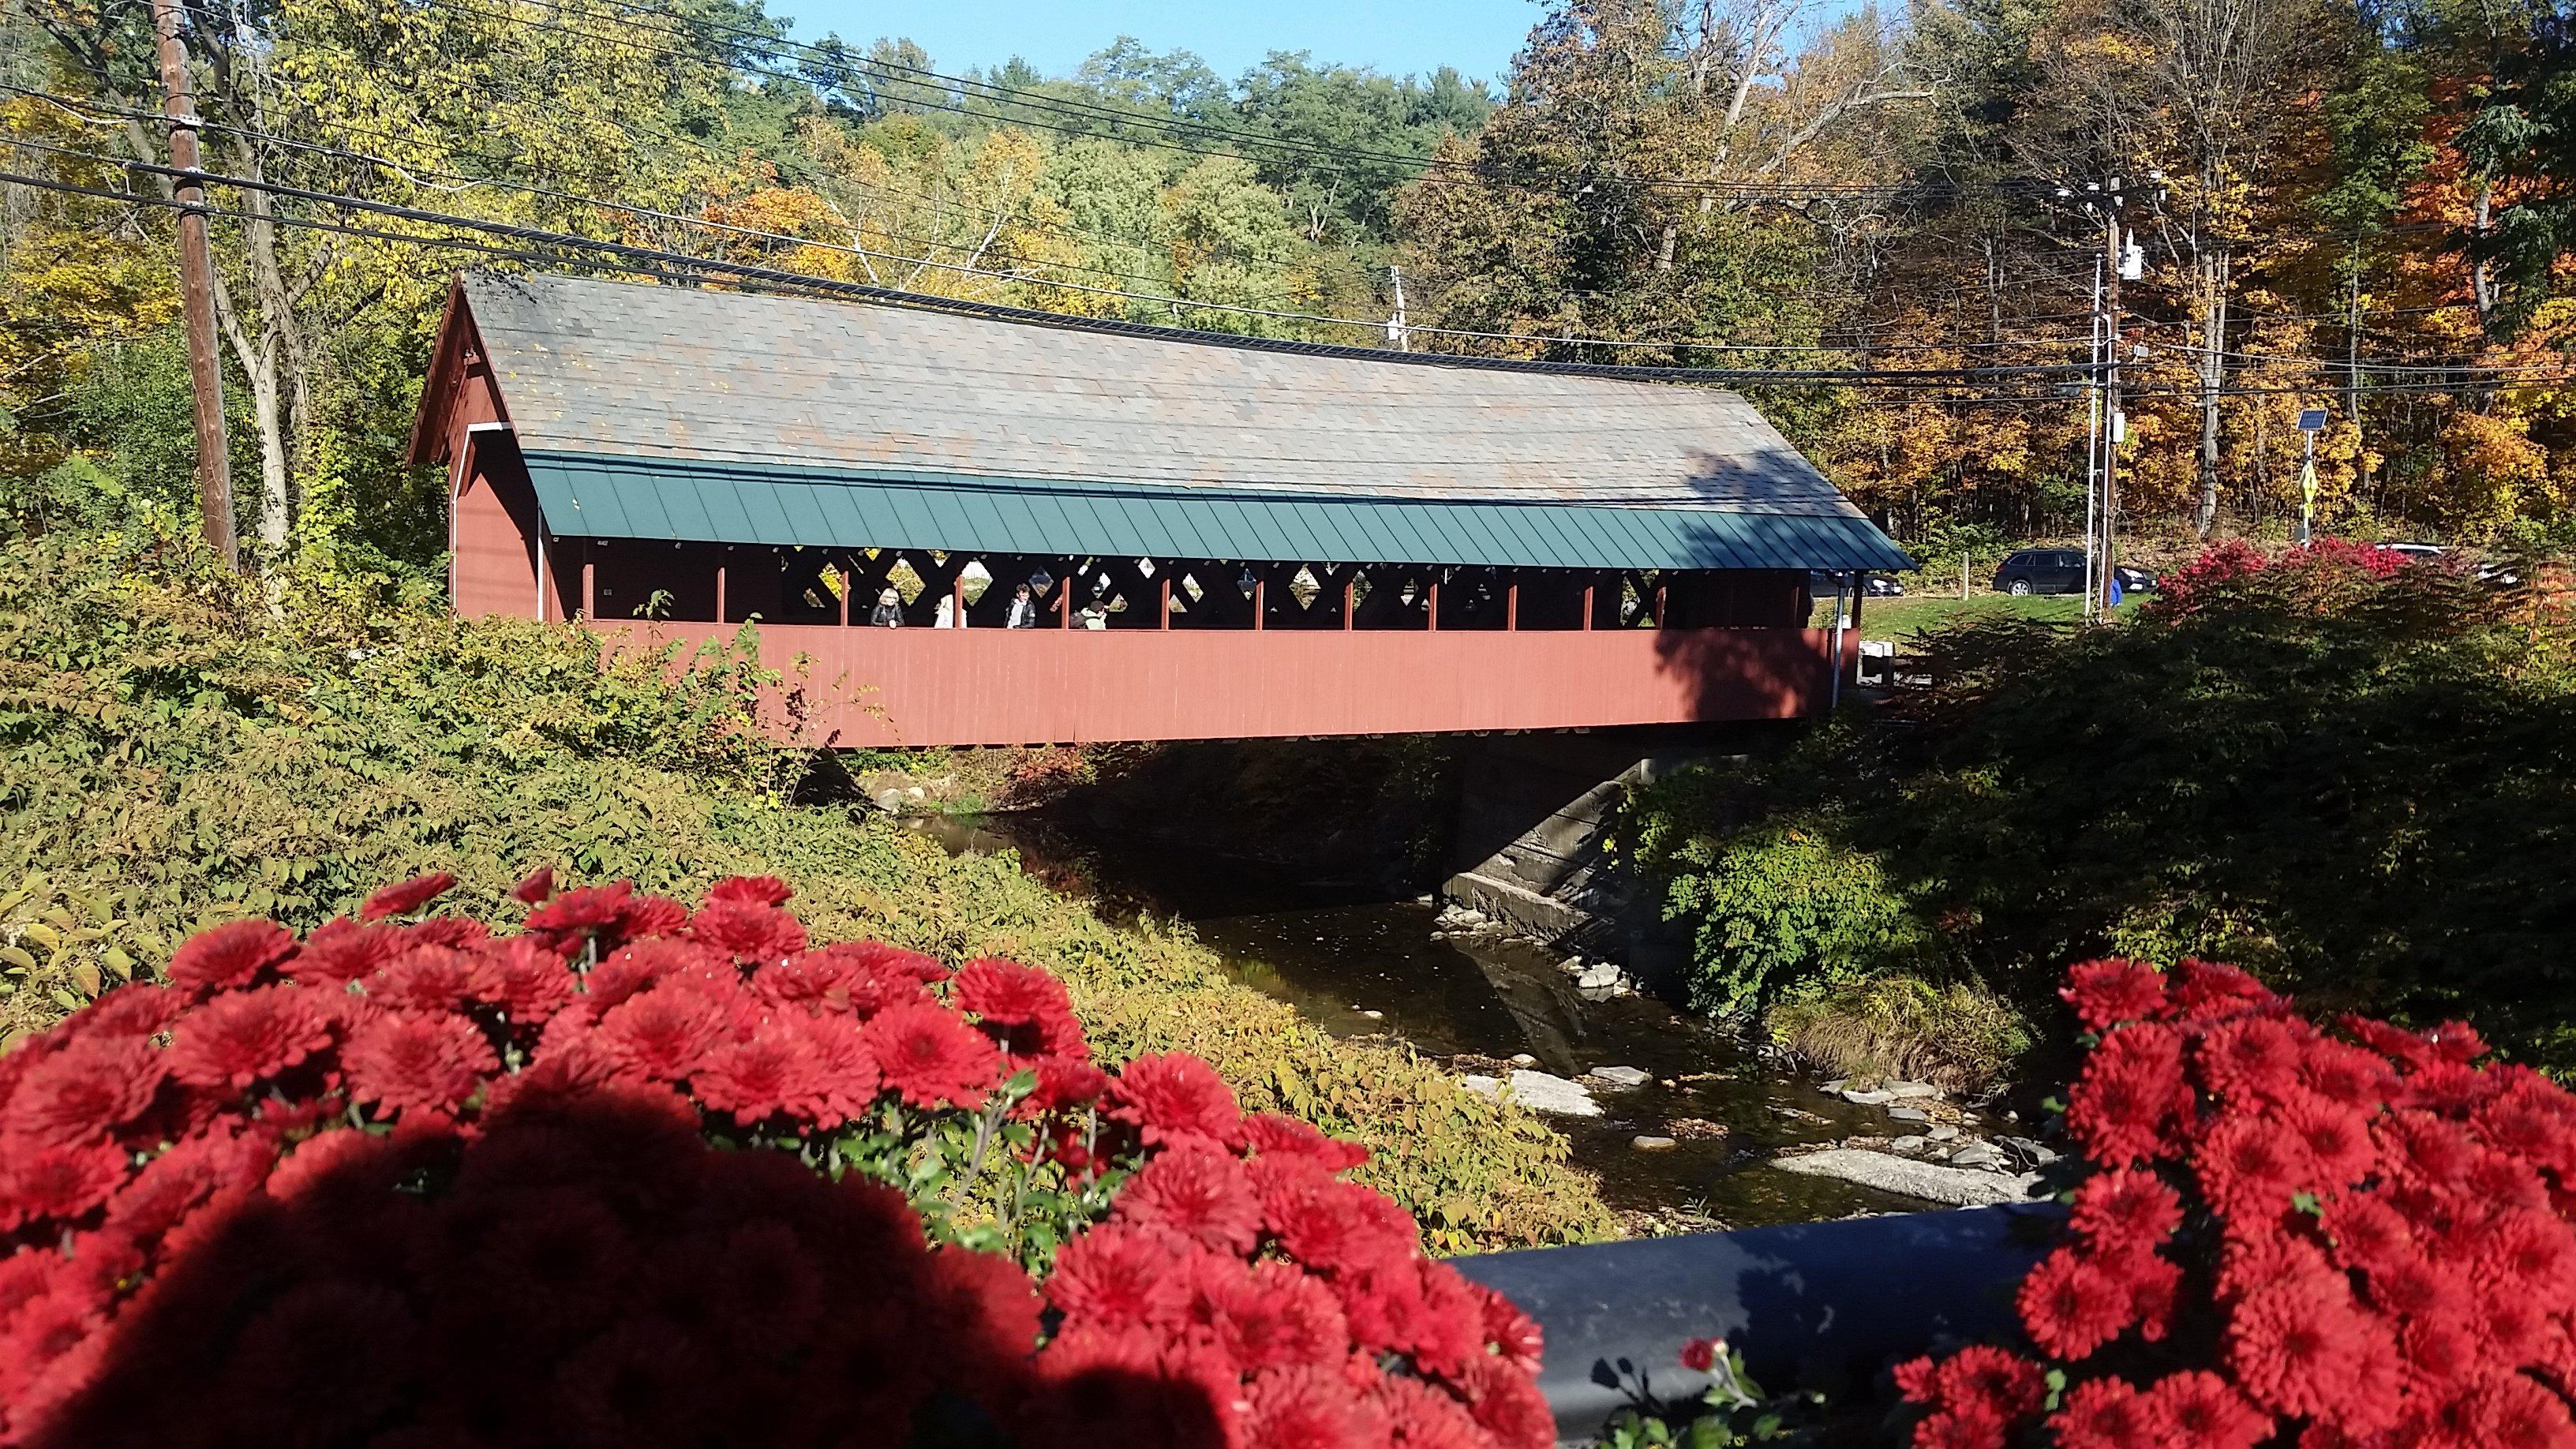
1394	36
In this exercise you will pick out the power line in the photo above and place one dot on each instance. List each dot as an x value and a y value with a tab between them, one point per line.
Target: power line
720	267
1365	326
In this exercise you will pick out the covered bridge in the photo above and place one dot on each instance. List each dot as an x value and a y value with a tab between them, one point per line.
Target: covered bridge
1221	538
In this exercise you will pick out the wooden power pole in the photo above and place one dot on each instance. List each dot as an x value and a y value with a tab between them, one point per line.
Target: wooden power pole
197	292
2114	426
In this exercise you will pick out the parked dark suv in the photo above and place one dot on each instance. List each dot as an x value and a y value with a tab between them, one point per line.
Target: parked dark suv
2042	571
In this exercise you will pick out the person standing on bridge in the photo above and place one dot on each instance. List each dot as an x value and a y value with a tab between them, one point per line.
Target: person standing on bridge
1024	609
889	611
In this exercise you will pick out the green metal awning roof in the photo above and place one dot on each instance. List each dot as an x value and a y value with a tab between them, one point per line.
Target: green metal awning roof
586	495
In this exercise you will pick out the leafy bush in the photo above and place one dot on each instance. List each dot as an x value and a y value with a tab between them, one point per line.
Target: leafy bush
1782	906
390	1178
174	752
2348	1239
1957	1034
2348	774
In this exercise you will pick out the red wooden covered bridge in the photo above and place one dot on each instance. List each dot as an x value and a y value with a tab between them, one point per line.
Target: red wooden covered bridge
1219	538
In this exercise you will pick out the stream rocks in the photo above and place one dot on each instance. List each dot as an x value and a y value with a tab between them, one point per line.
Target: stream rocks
1929	1181
1621	1076
1648	1142
1540	1092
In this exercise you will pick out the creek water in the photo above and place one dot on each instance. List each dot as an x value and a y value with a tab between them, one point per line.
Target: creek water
1361	965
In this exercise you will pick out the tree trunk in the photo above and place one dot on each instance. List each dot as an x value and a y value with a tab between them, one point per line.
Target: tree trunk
2213	376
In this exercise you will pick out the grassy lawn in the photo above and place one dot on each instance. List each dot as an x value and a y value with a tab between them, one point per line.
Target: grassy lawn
1900	618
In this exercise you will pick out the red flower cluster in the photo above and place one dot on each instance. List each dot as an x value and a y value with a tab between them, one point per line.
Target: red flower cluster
2366	1239
2325	560
417	1182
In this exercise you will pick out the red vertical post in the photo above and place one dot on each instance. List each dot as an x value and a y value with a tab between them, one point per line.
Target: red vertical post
1659	604
1163	614
1064	601
1260	610
1350	598
720	588
957	600
848	583
1512	605
589	584
1587	606
1431	604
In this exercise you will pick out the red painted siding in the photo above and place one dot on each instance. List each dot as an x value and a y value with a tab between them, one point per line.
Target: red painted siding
888	687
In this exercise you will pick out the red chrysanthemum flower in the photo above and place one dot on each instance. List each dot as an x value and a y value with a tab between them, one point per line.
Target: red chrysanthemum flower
424	978
587	908
748	931
425	1063
2532	1252
2206	991
1981	1381
405	897
844	1081
1028	1009
773	1073
1960	1429
1116	1276
2126	1211
340	950
453	932
750	890
2251	1257
2456	1042
1273	1135
2367	1232
2106	993
1508	1405
1063	1083
232	954
2256	1057
1326	1223
2510	1410
1510	1332
84	1092
2333	1139
932	1056
1270	1316
1197	1192
39	1180
861	978
2104	1414
2416	1288
137	1009
662	1034
2534	1119
2127	1105
2302	1347
535	886
647	916
2071	1306
2395	1043
2347	1075
1309	1408
2201	1409
1421	1416
242	1037
524	977
1700	1354
1175	1096
2248	1166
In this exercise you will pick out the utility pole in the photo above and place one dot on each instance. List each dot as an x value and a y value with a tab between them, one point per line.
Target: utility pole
2092	448
197	292
1396	331
2115	424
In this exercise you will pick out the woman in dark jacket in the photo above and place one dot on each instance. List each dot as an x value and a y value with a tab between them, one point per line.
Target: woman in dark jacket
889	611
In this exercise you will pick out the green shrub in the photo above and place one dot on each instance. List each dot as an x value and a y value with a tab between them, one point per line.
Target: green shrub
174	751
1957	1034
1780	907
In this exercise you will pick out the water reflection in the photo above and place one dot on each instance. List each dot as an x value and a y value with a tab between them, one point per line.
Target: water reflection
1371	967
